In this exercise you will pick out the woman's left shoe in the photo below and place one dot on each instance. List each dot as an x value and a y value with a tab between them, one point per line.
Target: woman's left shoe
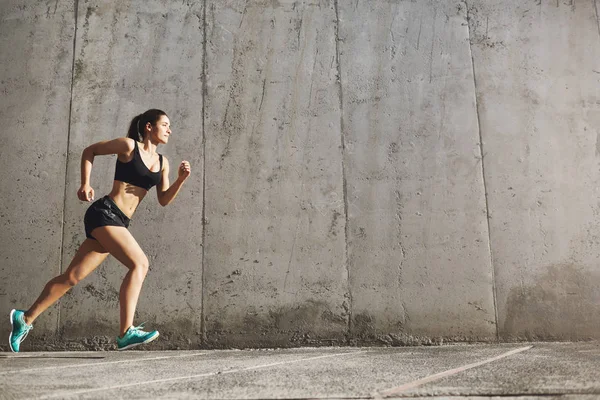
134	337
19	330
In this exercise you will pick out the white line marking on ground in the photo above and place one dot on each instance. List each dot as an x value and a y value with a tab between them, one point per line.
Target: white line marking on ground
19	371
422	381
180	378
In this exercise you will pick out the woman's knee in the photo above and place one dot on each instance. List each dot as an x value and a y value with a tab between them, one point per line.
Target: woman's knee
70	278
140	266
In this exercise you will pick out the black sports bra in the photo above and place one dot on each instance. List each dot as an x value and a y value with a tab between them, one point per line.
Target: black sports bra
135	171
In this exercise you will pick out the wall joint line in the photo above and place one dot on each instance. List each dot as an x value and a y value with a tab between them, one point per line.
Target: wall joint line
62	238
485	192
343	145
597	17
204	90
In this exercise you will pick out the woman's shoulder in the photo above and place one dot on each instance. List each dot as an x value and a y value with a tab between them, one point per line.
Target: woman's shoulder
127	147
120	145
129	144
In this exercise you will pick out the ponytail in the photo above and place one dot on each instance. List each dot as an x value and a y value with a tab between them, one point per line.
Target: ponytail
139	122
134	129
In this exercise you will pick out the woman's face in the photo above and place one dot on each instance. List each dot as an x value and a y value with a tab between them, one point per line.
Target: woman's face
161	131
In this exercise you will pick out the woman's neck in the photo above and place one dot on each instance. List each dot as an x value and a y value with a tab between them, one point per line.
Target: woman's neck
148	146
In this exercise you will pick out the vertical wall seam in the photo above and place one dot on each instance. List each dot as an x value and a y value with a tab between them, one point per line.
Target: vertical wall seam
597	18
485	192
204	89
62	238
343	145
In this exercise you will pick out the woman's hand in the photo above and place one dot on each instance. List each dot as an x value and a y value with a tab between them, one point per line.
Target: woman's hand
184	171
85	193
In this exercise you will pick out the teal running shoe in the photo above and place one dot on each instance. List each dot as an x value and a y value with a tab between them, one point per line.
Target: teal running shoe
134	337
19	330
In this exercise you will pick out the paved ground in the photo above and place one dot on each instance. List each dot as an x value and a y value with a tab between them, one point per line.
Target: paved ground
525	371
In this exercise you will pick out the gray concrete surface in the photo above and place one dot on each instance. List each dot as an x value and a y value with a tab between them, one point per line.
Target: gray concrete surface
36	53
275	243
536	68
548	370
394	172
418	248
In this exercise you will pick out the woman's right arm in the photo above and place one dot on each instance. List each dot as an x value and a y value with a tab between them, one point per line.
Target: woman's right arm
115	146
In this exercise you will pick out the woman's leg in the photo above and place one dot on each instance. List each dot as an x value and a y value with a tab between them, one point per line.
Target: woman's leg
88	257
119	242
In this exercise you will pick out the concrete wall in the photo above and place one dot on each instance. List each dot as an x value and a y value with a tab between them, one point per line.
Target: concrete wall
392	172
275	250
36	56
538	78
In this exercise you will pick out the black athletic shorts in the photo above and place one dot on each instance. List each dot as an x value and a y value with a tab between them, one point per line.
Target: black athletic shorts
103	212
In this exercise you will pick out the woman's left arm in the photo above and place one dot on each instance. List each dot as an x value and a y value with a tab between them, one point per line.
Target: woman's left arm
165	193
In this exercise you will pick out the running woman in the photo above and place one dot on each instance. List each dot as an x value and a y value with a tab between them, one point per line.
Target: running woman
139	168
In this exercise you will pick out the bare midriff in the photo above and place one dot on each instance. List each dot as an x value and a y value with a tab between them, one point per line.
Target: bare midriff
127	196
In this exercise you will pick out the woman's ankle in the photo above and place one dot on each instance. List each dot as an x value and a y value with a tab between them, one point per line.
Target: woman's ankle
28	318
121	334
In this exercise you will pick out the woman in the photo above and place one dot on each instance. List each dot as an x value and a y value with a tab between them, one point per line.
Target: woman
139	168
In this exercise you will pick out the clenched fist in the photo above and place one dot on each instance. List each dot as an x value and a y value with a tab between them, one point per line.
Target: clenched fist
85	193
184	171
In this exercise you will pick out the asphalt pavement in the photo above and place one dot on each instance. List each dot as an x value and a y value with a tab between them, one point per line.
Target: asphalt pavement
480	371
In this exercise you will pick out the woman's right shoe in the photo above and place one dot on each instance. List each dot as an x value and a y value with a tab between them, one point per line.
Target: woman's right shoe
134	337
19	330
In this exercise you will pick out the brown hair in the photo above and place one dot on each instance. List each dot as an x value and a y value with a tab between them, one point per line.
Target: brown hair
136	128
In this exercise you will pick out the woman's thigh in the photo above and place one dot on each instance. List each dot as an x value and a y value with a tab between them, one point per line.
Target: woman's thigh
121	244
89	255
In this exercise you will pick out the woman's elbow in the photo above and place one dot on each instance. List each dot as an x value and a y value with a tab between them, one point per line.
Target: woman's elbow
88	152
162	202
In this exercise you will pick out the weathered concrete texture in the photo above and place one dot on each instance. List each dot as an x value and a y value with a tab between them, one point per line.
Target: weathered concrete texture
538	76
275	246
417	235
568	368
36	52
131	57
544	369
